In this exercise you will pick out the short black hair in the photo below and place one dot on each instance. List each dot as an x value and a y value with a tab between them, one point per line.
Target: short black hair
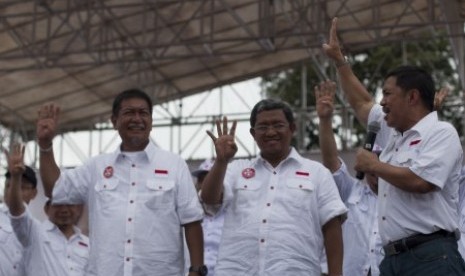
130	94
413	77
271	104
28	174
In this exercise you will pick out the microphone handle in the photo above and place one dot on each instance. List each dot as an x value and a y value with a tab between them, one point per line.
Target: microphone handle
370	140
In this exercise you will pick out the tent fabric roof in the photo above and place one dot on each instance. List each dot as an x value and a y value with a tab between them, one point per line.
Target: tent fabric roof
80	54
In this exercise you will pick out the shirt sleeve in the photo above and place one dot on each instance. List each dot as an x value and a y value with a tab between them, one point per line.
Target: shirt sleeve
188	203
439	157
344	181
26	228
72	184
329	200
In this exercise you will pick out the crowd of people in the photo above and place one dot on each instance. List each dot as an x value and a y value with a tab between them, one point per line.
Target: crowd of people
276	214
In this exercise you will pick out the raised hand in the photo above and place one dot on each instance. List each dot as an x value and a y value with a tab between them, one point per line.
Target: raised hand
16	160
439	97
324	98
47	124
225	146
333	49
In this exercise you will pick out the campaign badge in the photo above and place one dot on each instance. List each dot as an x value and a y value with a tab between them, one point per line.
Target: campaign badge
248	173
108	172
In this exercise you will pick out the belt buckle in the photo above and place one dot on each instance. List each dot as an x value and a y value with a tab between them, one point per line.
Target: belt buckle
391	249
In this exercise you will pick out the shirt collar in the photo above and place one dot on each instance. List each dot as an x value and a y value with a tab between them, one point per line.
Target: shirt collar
293	155
424	124
149	151
50	226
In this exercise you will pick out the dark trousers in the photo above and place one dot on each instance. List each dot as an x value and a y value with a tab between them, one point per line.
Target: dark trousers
439	257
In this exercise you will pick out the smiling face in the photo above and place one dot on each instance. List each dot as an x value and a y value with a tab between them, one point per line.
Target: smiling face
134	123
395	105
273	134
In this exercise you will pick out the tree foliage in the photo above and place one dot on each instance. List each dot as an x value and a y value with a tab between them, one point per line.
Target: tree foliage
370	66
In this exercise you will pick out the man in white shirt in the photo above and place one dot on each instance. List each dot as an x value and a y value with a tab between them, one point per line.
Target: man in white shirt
11	250
418	170
362	243
282	209
55	247
139	197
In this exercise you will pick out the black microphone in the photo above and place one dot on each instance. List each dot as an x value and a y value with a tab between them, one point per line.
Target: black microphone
373	129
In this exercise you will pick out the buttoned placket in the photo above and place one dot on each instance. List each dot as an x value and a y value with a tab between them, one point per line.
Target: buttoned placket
130	214
373	238
264	219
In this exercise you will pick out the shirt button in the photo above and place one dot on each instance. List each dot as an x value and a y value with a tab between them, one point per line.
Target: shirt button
384	218
264	221
131	201
272	187
129	219
274	172
129	241
133	183
262	240
133	165
268	204
245	186
128	259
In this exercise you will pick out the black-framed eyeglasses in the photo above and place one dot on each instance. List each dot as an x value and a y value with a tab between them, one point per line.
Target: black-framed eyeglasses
276	127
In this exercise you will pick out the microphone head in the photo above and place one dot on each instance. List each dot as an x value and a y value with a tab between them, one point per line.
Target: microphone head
374	127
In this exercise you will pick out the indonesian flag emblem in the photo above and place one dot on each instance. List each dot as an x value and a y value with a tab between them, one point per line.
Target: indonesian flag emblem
248	173
108	172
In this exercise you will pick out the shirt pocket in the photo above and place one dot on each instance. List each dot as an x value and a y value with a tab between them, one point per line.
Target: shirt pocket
300	192
106	192
405	159
160	193
81	257
246	192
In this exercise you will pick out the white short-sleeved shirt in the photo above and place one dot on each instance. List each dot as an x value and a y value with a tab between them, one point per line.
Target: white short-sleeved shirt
362	243
137	204
10	248
431	149
274	217
47	252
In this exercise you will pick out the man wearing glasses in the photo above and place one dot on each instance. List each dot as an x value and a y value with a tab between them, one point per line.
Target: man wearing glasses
282	209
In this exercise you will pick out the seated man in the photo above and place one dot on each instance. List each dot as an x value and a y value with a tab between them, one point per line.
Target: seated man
55	247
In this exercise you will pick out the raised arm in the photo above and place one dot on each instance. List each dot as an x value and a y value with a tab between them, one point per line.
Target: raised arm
357	95
47	123
324	98
226	148
16	168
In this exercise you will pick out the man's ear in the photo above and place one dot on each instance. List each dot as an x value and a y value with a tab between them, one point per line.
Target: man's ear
252	132
413	96
113	120
293	127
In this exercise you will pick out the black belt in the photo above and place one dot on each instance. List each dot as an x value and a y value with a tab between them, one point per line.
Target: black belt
405	244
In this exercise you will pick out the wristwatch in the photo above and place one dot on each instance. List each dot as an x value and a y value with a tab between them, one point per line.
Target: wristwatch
201	270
